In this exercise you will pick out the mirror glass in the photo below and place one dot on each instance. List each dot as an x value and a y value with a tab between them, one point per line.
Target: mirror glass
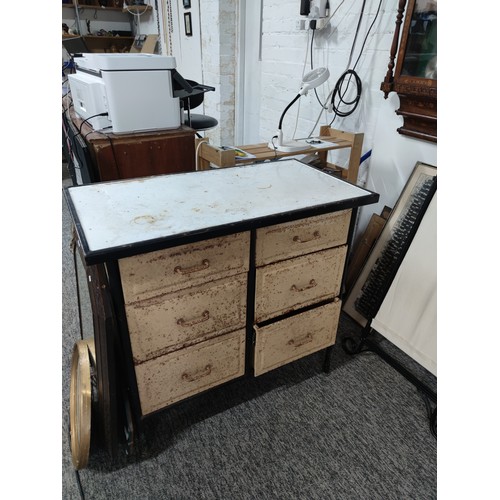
420	58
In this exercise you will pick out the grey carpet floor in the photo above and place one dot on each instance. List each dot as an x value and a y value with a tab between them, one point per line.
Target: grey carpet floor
359	432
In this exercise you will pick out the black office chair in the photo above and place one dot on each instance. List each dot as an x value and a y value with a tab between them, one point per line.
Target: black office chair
196	121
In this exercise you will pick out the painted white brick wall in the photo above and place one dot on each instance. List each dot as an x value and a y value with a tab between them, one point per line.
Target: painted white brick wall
219	53
284	55
284	49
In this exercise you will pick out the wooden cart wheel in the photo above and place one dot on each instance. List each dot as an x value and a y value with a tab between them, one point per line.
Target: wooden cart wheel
80	404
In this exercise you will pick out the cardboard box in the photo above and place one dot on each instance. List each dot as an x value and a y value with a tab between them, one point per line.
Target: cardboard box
144	44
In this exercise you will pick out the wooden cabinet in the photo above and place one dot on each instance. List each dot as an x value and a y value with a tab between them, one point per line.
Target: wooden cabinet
96	157
127	156
217	274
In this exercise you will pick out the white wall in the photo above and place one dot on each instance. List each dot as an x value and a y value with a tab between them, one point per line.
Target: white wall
209	56
256	65
187	49
393	158
285	57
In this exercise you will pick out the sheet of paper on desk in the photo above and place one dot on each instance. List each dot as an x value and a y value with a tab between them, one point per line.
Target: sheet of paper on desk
322	144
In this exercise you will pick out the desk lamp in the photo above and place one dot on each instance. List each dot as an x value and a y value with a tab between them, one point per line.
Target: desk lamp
310	81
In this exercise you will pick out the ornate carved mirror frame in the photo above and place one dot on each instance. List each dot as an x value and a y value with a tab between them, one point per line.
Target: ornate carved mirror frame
415	76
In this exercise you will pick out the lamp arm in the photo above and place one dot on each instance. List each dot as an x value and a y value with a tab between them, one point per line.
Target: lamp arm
286	109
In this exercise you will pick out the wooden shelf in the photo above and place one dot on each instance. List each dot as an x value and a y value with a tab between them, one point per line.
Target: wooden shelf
340	140
130	9
92	6
106	44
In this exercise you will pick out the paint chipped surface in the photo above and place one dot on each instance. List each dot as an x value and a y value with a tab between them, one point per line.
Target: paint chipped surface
120	213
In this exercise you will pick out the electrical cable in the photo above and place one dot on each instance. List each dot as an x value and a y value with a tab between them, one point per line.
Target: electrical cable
312	67
204	141
367	33
337	93
356	32
331	16
89	118
302	77
350	73
323	107
274	147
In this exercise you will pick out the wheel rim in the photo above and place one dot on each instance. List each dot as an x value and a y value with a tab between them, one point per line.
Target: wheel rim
81	401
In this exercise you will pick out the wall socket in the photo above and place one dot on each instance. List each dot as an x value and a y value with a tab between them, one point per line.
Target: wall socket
321	23
301	24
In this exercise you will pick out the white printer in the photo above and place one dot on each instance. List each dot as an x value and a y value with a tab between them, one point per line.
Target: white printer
124	93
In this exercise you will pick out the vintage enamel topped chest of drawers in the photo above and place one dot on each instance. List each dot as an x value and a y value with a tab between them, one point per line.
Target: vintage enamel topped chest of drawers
213	275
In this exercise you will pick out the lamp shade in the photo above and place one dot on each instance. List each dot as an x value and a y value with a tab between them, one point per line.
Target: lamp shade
314	79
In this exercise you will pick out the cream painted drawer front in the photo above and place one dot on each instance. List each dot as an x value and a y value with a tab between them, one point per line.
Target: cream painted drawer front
292	239
147	275
178	375
291	284
170	321
292	338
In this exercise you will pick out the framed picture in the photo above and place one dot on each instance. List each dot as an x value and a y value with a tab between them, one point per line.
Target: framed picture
376	276
187	24
187	4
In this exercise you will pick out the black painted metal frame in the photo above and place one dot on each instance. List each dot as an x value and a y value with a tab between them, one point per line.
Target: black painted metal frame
366	344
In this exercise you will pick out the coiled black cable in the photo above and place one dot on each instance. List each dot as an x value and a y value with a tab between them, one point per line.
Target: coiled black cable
352	73
338	94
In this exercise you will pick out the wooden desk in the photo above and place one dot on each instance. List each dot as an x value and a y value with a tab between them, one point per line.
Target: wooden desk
189	292
126	156
208	154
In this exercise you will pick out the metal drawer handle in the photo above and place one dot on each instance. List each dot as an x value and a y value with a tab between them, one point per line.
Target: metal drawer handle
205	264
312	284
315	236
204	317
192	377
302	341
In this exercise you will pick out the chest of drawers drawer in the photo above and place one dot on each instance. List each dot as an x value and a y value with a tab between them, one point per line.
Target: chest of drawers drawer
147	275
171	321
181	374
284	241
291	284
290	339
